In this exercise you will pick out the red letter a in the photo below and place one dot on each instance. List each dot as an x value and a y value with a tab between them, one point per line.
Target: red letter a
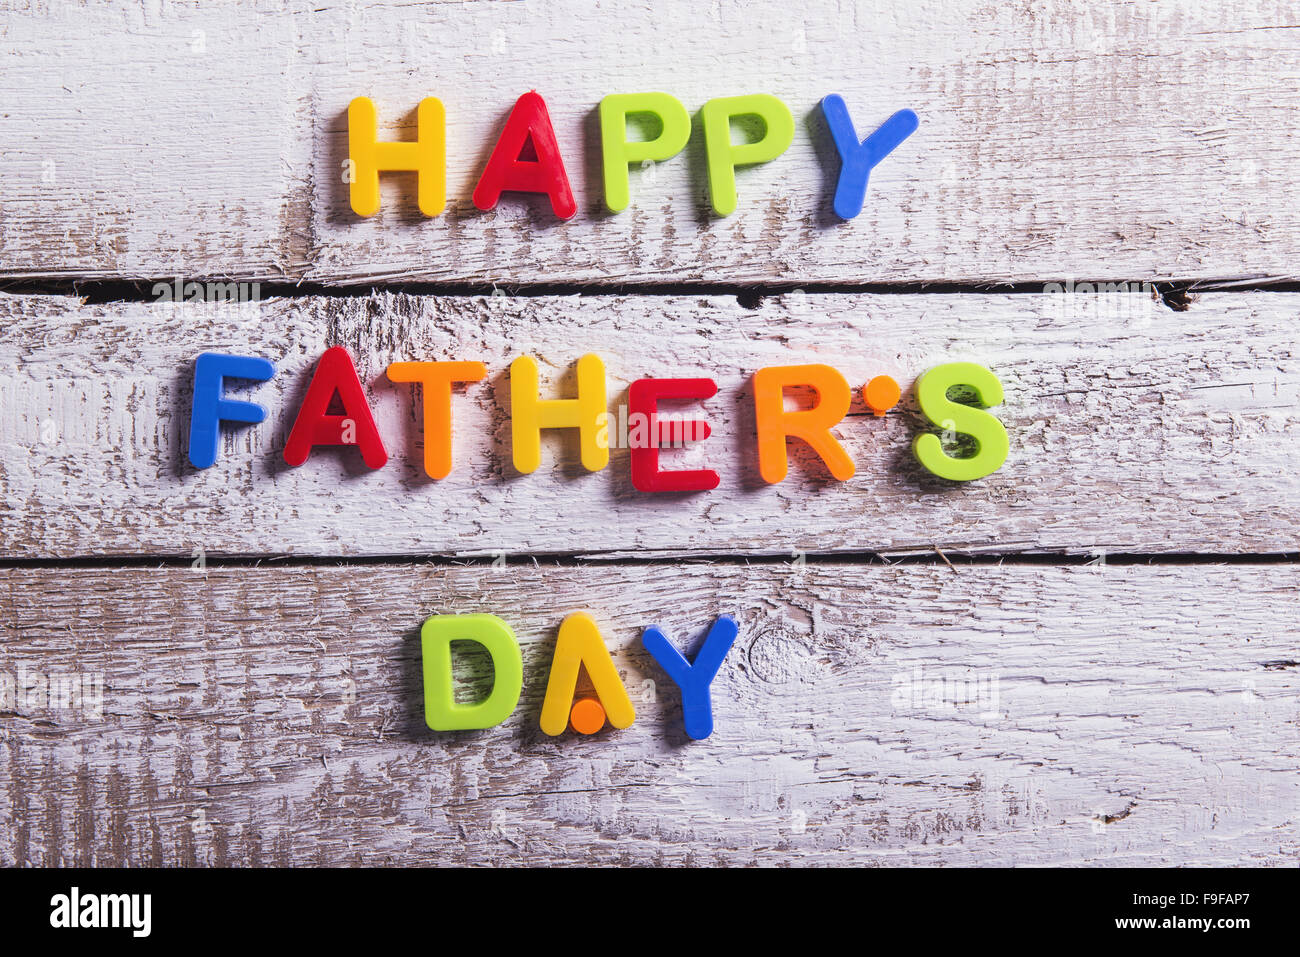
506	171
315	426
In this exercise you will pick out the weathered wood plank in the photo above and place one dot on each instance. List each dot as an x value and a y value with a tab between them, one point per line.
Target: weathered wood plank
1133	428
194	176
1125	140
1143	715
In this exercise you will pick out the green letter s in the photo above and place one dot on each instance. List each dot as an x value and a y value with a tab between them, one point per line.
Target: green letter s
932	395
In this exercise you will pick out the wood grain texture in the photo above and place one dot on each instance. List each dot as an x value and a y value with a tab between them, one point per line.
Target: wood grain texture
1132	430
273	715
870	714
1125	140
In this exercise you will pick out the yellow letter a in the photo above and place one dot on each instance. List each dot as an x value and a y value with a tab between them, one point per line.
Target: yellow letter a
580	643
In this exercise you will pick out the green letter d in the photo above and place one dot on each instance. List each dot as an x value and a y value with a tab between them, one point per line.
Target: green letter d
441	712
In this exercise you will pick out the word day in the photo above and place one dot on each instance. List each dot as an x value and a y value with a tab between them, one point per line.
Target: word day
335	382
579	645
527	157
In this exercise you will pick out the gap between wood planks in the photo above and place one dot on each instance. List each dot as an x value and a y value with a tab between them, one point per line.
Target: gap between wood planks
1177	296
547	560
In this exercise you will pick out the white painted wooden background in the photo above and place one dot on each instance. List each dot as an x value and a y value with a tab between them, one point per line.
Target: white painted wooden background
273	715
1134	428
265	707
1125	140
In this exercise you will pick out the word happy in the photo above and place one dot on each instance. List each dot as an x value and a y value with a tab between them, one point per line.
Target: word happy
527	157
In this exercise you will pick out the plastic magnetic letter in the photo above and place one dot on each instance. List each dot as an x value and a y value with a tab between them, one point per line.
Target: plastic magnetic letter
580	643
210	407
426	156
618	152
528	121
436	378
812	425
989	434
530	414
881	394
314	426
724	156
858	159
441	710
643	397
587	716
694	678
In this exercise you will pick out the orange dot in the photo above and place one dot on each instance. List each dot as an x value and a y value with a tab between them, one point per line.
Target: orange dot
587	716
881	394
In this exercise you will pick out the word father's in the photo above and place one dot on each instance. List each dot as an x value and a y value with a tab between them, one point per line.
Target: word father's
527	157
335	382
